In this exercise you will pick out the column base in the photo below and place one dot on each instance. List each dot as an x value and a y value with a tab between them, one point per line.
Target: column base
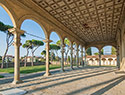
62	70
120	72
47	74
17	82
72	68
82	66
78	67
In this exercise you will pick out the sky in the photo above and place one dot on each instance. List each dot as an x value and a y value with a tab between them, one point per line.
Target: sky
34	28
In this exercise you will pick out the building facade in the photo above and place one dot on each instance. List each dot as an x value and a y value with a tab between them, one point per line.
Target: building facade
106	60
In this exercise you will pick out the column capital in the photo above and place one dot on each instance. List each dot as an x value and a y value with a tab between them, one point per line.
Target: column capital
16	30
77	50
47	41
16	44
63	45
71	48
63	50
81	51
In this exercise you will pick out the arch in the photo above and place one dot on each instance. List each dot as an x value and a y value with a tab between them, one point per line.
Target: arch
10	13
91	49
91	46
96	58
68	39
34	18
61	38
91	59
107	46
103	59
56	34
74	45
110	59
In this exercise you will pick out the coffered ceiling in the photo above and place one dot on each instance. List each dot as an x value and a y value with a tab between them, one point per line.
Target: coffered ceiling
91	20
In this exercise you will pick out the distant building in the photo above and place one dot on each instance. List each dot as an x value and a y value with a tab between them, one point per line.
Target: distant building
35	59
9	58
105	60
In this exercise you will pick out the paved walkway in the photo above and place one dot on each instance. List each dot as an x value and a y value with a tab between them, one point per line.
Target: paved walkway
84	81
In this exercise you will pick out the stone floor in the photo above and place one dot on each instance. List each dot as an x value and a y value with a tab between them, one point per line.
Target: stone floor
83	81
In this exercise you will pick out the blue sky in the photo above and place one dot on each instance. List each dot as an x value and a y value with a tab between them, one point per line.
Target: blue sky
31	27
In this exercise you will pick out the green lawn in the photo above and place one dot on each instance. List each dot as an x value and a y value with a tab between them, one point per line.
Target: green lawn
1	76
30	69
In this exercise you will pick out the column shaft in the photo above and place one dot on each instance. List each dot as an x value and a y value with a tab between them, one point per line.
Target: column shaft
118	60
71	56
99	57
82	56
77	56
17	33
47	41
85	58
62	57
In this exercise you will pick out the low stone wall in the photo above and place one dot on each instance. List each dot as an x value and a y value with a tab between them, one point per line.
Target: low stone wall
58	62
8	65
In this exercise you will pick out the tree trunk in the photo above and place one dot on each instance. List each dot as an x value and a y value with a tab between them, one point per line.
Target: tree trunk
3	59
25	64
32	64
66	56
52	55
57	57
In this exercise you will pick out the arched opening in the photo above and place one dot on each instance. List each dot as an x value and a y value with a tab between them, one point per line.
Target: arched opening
91	61
6	38
5	12
67	43
109	53
32	45
55	49
79	53
92	53
74	53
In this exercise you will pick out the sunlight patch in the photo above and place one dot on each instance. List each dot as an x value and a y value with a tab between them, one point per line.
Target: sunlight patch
14	91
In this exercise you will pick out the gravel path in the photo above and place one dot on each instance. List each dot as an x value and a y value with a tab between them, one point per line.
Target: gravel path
83	81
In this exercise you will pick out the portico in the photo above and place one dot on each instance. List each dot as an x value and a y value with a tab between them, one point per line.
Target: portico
86	22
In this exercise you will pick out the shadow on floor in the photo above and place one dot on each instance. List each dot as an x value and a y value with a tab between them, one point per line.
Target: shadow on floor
68	81
116	80
75	74
34	75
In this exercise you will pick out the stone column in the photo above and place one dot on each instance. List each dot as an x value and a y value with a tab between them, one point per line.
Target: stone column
47	41
71	56
77	56
85	58
62	56
82	56
122	64
17	33
99	57
118	61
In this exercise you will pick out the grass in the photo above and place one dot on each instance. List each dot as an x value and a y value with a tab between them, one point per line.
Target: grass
1	76
30	69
